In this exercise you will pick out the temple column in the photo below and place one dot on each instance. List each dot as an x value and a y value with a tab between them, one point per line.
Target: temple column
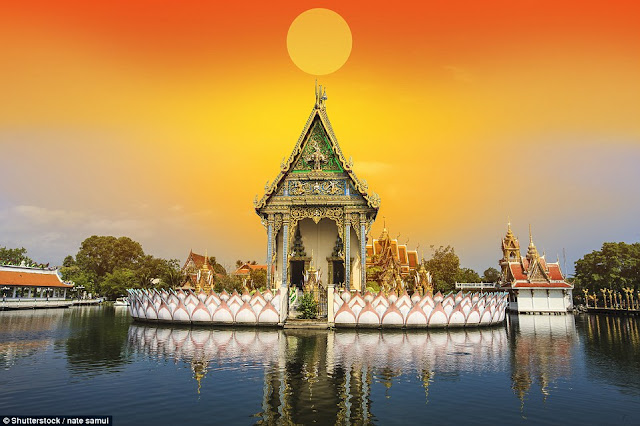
285	252
347	252
363	253
269	251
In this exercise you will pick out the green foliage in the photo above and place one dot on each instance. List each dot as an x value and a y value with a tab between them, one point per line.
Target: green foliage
307	307
219	269
491	275
79	277
117	282
108	265
258	278
228	283
14	256
444	266
68	262
374	286
467	275
100	255
615	266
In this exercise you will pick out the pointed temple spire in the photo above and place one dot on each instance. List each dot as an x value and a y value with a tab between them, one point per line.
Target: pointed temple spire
532	252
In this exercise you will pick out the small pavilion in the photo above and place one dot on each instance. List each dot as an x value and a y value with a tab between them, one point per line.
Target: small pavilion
20	283
534	285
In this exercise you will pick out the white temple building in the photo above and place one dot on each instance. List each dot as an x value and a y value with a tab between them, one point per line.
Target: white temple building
534	285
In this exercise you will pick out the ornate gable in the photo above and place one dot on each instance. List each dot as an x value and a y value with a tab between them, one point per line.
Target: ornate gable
316	172
537	273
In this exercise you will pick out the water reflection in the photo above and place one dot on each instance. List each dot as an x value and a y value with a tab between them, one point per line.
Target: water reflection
542	349
97	344
612	350
327	376
24	333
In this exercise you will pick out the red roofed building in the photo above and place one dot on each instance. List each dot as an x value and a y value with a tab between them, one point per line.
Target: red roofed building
534	285
408	259
24	286
244	272
200	275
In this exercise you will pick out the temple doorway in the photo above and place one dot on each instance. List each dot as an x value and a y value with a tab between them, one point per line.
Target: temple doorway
297	273
338	272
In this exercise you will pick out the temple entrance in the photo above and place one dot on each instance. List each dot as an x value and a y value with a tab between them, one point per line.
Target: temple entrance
297	273
338	272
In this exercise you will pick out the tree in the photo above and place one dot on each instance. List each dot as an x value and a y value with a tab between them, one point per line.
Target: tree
117	282
79	277
219	269
467	275
68	262
444	267
14	256
307	307
239	263
258	278
491	275
228	283
615	266
101	255
172	276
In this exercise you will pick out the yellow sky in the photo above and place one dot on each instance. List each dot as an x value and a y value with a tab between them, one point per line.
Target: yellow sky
170	148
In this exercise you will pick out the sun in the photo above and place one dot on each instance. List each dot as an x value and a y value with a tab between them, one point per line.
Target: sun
319	41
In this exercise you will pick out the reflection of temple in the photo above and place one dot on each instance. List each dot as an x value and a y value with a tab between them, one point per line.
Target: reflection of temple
34	328
318	201
541	353
327	377
534	284
198	272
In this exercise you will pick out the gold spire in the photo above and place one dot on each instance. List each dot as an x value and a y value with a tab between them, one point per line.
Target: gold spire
205	265
532	252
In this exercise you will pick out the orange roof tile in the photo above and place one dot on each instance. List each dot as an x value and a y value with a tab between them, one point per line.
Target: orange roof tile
23	277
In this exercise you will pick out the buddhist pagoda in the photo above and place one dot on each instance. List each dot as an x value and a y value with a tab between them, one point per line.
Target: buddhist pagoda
316	212
534	285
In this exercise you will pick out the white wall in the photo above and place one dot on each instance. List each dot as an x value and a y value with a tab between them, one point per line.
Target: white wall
538	301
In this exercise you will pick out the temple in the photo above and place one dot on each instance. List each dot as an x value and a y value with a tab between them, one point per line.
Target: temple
200	275
534	285
27	287
317	212
385	245
244	272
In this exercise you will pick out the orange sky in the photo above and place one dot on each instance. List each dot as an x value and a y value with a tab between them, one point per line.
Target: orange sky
162	120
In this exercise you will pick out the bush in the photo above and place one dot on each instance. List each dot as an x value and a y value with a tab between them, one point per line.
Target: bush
307	307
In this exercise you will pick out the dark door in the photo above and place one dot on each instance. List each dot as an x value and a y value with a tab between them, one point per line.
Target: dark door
297	273
338	271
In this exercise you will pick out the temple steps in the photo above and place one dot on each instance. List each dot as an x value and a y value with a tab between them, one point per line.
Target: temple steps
296	323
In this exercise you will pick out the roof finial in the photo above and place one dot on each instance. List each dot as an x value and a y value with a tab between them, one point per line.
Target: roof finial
530	236
317	96
321	96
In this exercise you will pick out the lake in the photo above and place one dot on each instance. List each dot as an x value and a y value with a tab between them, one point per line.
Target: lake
535	369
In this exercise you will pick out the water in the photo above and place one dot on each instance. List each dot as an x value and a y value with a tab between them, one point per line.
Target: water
535	370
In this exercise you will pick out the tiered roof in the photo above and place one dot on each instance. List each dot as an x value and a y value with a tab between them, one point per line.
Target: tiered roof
408	259
532	271
317	138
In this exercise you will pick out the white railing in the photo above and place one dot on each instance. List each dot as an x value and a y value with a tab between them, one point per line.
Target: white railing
462	286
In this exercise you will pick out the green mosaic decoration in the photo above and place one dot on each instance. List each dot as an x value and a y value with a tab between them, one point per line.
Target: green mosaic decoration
317	153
